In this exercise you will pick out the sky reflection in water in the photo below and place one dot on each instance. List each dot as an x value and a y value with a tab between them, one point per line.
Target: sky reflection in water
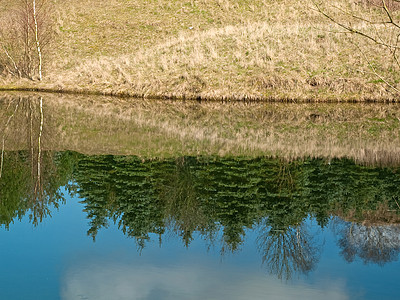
57	260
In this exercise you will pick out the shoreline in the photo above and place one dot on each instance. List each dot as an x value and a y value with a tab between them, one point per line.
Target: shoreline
123	94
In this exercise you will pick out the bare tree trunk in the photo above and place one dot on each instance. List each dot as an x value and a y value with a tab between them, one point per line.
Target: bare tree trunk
27	32
37	40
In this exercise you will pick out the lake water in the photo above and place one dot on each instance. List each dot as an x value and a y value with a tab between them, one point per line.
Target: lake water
111	199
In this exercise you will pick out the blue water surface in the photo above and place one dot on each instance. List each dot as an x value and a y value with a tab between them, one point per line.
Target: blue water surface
57	260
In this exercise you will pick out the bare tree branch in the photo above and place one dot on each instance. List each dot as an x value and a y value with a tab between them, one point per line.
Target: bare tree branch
354	30
389	39
12	61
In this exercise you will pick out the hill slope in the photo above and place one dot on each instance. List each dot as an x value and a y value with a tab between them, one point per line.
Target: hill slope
242	49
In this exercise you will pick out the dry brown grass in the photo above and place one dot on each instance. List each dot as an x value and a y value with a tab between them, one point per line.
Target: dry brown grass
392	5
209	49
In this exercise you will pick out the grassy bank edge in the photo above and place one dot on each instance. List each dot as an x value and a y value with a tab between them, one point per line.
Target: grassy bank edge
280	97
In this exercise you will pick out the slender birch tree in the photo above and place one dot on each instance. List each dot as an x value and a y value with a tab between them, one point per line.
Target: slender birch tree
37	39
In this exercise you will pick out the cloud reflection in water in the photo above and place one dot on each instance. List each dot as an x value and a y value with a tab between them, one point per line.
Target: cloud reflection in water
188	281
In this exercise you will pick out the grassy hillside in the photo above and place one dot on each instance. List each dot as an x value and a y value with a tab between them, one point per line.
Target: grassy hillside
238	49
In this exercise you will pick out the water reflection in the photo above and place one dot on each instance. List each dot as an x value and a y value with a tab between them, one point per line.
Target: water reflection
289	251
368	134
377	244
212	179
29	179
218	200
193	281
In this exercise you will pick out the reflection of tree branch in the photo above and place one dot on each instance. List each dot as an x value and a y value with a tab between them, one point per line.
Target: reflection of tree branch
376	37
4	136
376	244
39	142
288	251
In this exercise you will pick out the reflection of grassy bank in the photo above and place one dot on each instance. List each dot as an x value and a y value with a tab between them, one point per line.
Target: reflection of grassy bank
247	49
368	133
382	214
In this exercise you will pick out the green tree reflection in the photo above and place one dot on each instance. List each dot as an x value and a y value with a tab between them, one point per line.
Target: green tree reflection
215	198
208	195
20	193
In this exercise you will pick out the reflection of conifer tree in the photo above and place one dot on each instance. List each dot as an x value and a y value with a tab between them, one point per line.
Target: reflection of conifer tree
287	252
121	189
283	203
344	185
377	244
236	188
139	210
183	206
93	179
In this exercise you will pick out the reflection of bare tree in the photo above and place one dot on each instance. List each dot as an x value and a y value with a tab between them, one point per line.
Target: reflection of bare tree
38	185
4	134
26	123
38	201
292	250
377	244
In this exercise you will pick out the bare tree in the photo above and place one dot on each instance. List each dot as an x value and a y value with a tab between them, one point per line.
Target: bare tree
374	20
378	244
289	251
24	36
